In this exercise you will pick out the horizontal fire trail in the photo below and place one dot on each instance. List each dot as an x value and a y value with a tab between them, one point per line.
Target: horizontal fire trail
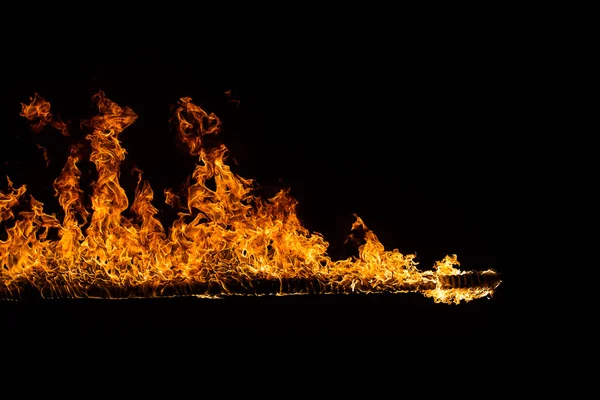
226	241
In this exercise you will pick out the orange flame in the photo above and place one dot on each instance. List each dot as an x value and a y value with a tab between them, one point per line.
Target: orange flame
39	109
226	240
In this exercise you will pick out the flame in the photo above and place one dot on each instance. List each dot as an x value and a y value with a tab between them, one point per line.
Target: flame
225	241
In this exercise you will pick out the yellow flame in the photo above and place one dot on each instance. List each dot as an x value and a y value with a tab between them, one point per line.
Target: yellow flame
225	241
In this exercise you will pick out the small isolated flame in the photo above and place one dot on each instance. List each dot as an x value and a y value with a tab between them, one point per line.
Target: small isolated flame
226	240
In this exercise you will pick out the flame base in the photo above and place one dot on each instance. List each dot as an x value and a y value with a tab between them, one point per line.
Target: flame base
469	281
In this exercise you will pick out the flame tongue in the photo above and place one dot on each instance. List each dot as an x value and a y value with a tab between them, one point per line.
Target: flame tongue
226	240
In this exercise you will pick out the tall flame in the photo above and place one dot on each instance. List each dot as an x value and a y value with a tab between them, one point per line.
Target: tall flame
225	241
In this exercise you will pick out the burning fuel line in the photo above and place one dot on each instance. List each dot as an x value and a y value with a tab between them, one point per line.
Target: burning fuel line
226	241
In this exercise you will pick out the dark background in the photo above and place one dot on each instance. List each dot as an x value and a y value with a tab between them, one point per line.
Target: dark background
421	145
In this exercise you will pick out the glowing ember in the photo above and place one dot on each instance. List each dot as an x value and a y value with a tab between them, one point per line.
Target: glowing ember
226	241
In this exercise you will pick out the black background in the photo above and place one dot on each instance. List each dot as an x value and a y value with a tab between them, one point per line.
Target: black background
421	145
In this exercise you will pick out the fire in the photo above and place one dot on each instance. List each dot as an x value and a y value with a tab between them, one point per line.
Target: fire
225	241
